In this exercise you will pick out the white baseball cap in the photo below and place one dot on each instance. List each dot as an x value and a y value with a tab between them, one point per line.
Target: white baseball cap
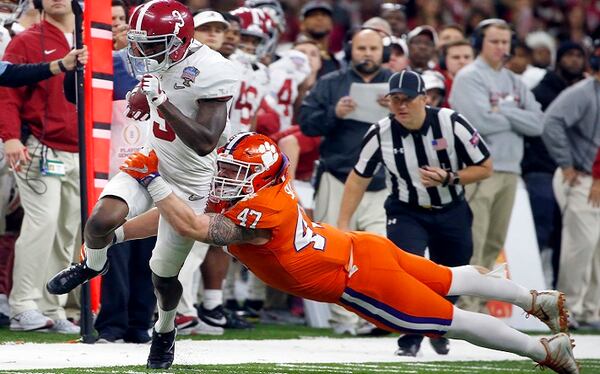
209	16
433	79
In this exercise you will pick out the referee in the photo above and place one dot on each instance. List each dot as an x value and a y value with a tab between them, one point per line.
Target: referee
429	154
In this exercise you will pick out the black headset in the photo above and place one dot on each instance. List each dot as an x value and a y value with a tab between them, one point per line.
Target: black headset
595	56
37	4
387	49
479	34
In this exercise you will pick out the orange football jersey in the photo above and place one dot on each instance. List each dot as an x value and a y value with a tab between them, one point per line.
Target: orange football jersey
303	258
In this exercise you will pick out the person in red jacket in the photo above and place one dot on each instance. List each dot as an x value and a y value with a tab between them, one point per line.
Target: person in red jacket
39	130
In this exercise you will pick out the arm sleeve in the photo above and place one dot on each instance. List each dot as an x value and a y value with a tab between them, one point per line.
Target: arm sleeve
24	74
317	113
370	154
564	112
11	99
470	97
470	147
526	121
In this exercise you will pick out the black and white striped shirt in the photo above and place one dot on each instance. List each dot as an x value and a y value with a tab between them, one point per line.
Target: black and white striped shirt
446	140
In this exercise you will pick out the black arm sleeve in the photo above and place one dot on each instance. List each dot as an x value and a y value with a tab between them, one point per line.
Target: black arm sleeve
17	75
69	87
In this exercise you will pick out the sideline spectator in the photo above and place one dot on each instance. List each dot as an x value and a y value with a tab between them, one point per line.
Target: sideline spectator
394	14
572	136
322	114
120	12
520	64
421	48
450	33
435	89
317	24
543	48
504	110
210	28
455	56
426	207
47	168
538	167
232	35
398	55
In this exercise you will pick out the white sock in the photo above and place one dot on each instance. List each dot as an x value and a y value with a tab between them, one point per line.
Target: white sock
165	321
212	299
467	280
487	331
96	258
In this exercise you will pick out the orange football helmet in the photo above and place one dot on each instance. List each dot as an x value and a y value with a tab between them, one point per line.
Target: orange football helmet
247	163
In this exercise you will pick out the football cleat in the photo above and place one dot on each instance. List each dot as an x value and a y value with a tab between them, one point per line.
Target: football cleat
221	317
162	350
559	354
71	277
189	325
409	345
440	345
549	307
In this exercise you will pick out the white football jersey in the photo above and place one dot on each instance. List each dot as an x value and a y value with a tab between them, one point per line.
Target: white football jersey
286	74
205	74
254	84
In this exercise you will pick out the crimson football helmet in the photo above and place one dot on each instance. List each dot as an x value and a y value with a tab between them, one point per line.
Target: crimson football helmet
257	23
247	163
278	24
159	35
273	9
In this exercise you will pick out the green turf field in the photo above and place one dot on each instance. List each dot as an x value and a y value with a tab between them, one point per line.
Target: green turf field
588	366
261	331
288	332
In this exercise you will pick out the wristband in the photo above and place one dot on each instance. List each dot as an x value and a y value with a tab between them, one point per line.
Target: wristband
61	66
119	235
159	100
159	189
447	179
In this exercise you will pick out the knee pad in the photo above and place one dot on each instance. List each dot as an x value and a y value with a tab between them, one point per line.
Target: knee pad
164	285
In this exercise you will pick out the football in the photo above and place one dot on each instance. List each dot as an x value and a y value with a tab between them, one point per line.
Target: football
137	105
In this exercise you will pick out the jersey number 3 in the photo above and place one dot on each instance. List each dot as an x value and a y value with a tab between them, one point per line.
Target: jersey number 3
304	235
162	130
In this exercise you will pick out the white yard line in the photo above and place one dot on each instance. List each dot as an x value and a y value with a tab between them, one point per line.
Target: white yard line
309	350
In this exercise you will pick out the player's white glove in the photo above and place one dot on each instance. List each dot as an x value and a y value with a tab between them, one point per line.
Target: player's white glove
137	105
150	86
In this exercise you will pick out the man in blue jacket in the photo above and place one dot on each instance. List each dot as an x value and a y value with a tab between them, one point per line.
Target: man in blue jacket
323	113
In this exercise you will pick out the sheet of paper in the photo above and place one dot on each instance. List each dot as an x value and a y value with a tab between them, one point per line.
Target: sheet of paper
365	96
